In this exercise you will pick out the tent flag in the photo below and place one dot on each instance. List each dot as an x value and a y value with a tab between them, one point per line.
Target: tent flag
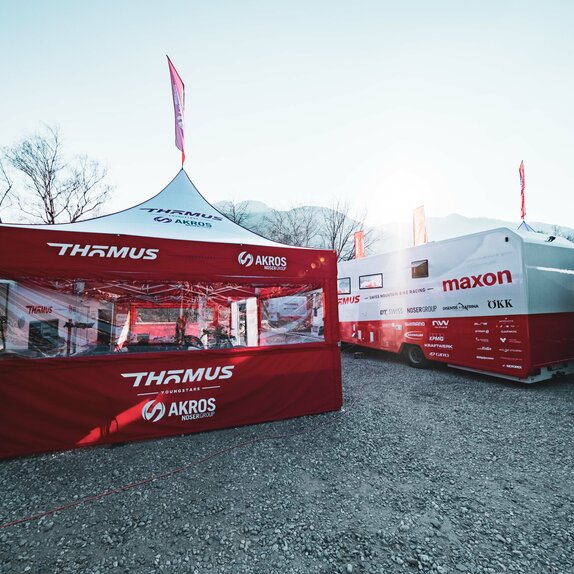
177	90
359	244
419	226
522	185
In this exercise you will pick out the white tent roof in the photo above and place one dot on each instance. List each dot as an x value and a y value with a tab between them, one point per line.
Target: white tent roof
179	211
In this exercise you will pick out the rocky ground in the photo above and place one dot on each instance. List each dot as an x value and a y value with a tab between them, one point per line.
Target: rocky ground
423	471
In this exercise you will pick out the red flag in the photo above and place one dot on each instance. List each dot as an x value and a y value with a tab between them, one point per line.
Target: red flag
419	226
177	90
359	244
522	185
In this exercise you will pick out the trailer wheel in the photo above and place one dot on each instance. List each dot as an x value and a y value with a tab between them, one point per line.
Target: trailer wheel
415	356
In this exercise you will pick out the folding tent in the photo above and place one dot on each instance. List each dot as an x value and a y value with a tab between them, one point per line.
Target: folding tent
163	319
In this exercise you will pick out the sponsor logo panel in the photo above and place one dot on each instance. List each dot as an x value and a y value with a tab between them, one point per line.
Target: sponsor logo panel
173	381
195	219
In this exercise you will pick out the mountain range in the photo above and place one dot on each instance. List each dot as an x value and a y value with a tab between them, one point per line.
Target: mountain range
397	235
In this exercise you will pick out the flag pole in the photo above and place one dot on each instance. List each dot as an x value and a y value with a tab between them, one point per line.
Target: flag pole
523	225
522	186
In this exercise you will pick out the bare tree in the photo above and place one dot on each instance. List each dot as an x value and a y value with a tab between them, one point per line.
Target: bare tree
237	211
558	231
296	226
56	190
338	230
5	188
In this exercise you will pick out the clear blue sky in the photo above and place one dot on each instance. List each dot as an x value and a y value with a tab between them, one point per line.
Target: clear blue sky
387	104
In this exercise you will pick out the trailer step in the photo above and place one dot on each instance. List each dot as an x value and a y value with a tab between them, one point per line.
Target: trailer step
546	373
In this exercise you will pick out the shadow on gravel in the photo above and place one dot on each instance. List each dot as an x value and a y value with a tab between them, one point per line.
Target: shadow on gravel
385	357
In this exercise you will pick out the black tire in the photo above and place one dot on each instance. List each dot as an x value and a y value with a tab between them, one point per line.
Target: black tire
415	357
192	341
225	343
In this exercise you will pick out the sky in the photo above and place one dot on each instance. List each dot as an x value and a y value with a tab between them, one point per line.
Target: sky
386	105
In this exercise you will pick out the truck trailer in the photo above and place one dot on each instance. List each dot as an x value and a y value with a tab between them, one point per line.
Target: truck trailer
498	302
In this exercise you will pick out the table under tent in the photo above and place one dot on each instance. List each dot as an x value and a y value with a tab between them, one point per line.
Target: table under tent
163	319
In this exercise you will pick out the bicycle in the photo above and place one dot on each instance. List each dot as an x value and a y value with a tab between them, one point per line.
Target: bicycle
217	339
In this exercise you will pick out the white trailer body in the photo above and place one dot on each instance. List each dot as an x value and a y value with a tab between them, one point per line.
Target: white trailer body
498	302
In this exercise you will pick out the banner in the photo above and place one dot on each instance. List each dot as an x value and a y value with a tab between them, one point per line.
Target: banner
177	89
522	185
359	244
56	404
419	226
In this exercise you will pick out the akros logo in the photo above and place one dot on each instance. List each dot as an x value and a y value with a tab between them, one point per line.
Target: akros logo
482	280
188	222
153	411
268	262
109	251
245	259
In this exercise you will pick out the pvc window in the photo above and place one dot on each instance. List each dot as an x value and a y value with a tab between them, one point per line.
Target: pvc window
3	314
420	269
374	281
344	286
59	317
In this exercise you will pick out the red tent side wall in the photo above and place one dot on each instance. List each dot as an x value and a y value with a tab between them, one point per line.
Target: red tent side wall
60	403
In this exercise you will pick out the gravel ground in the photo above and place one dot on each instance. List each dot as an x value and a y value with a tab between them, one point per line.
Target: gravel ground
423	471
